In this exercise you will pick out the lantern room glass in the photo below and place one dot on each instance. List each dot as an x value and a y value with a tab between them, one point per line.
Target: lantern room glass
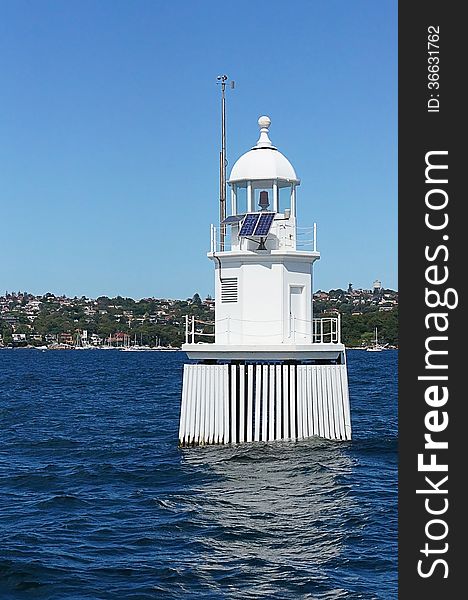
245	196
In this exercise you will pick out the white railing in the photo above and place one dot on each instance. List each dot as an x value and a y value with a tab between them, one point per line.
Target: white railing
304	238
192	332
325	330
213	240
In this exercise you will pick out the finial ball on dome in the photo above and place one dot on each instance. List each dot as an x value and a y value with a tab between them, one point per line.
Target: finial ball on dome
264	122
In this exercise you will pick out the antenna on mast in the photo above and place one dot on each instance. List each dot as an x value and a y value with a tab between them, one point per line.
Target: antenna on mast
221	80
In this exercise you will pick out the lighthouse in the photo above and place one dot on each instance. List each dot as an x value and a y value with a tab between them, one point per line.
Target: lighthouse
272	371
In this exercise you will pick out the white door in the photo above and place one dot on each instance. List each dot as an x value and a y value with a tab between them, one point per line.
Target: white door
297	314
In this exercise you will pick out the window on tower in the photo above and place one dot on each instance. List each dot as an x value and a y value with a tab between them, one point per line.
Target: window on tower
241	198
284	198
259	197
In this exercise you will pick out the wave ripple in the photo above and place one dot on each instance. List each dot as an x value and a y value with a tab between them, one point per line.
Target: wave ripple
98	502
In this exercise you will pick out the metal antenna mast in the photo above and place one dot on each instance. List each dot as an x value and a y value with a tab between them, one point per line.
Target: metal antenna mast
221	79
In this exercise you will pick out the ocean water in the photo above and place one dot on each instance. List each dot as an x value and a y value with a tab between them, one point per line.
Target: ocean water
98	502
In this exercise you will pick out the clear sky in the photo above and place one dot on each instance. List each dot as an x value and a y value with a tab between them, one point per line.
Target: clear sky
109	129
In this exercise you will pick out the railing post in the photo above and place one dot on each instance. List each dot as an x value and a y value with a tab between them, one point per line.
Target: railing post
315	237
193	329
186	330
321	331
339	329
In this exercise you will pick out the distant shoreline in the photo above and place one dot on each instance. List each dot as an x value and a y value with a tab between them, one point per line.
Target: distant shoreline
133	350
121	349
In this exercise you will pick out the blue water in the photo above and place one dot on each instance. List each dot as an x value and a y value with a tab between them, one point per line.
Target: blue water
97	502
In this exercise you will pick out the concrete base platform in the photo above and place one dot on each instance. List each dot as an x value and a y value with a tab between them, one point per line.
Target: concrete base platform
297	352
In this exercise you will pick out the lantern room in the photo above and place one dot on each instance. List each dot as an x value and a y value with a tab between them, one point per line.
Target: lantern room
263	179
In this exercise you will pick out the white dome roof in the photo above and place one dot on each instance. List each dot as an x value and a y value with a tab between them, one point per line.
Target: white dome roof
264	161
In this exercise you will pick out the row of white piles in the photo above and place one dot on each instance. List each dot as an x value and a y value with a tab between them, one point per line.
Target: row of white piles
235	403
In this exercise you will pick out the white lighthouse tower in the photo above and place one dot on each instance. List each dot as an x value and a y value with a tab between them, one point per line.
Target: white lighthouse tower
274	372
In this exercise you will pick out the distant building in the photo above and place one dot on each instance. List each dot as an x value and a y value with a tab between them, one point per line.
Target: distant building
19	338
118	337
66	338
10	319
209	302
95	339
321	296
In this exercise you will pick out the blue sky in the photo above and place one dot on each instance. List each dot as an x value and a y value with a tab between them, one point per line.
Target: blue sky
109	135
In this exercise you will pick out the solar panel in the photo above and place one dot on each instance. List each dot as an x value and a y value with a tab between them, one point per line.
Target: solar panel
264	224
248	226
232	220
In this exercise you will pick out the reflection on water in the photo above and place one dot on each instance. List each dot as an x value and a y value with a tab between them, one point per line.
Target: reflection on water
278	513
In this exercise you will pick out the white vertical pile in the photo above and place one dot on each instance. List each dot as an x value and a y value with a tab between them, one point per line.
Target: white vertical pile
234	403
